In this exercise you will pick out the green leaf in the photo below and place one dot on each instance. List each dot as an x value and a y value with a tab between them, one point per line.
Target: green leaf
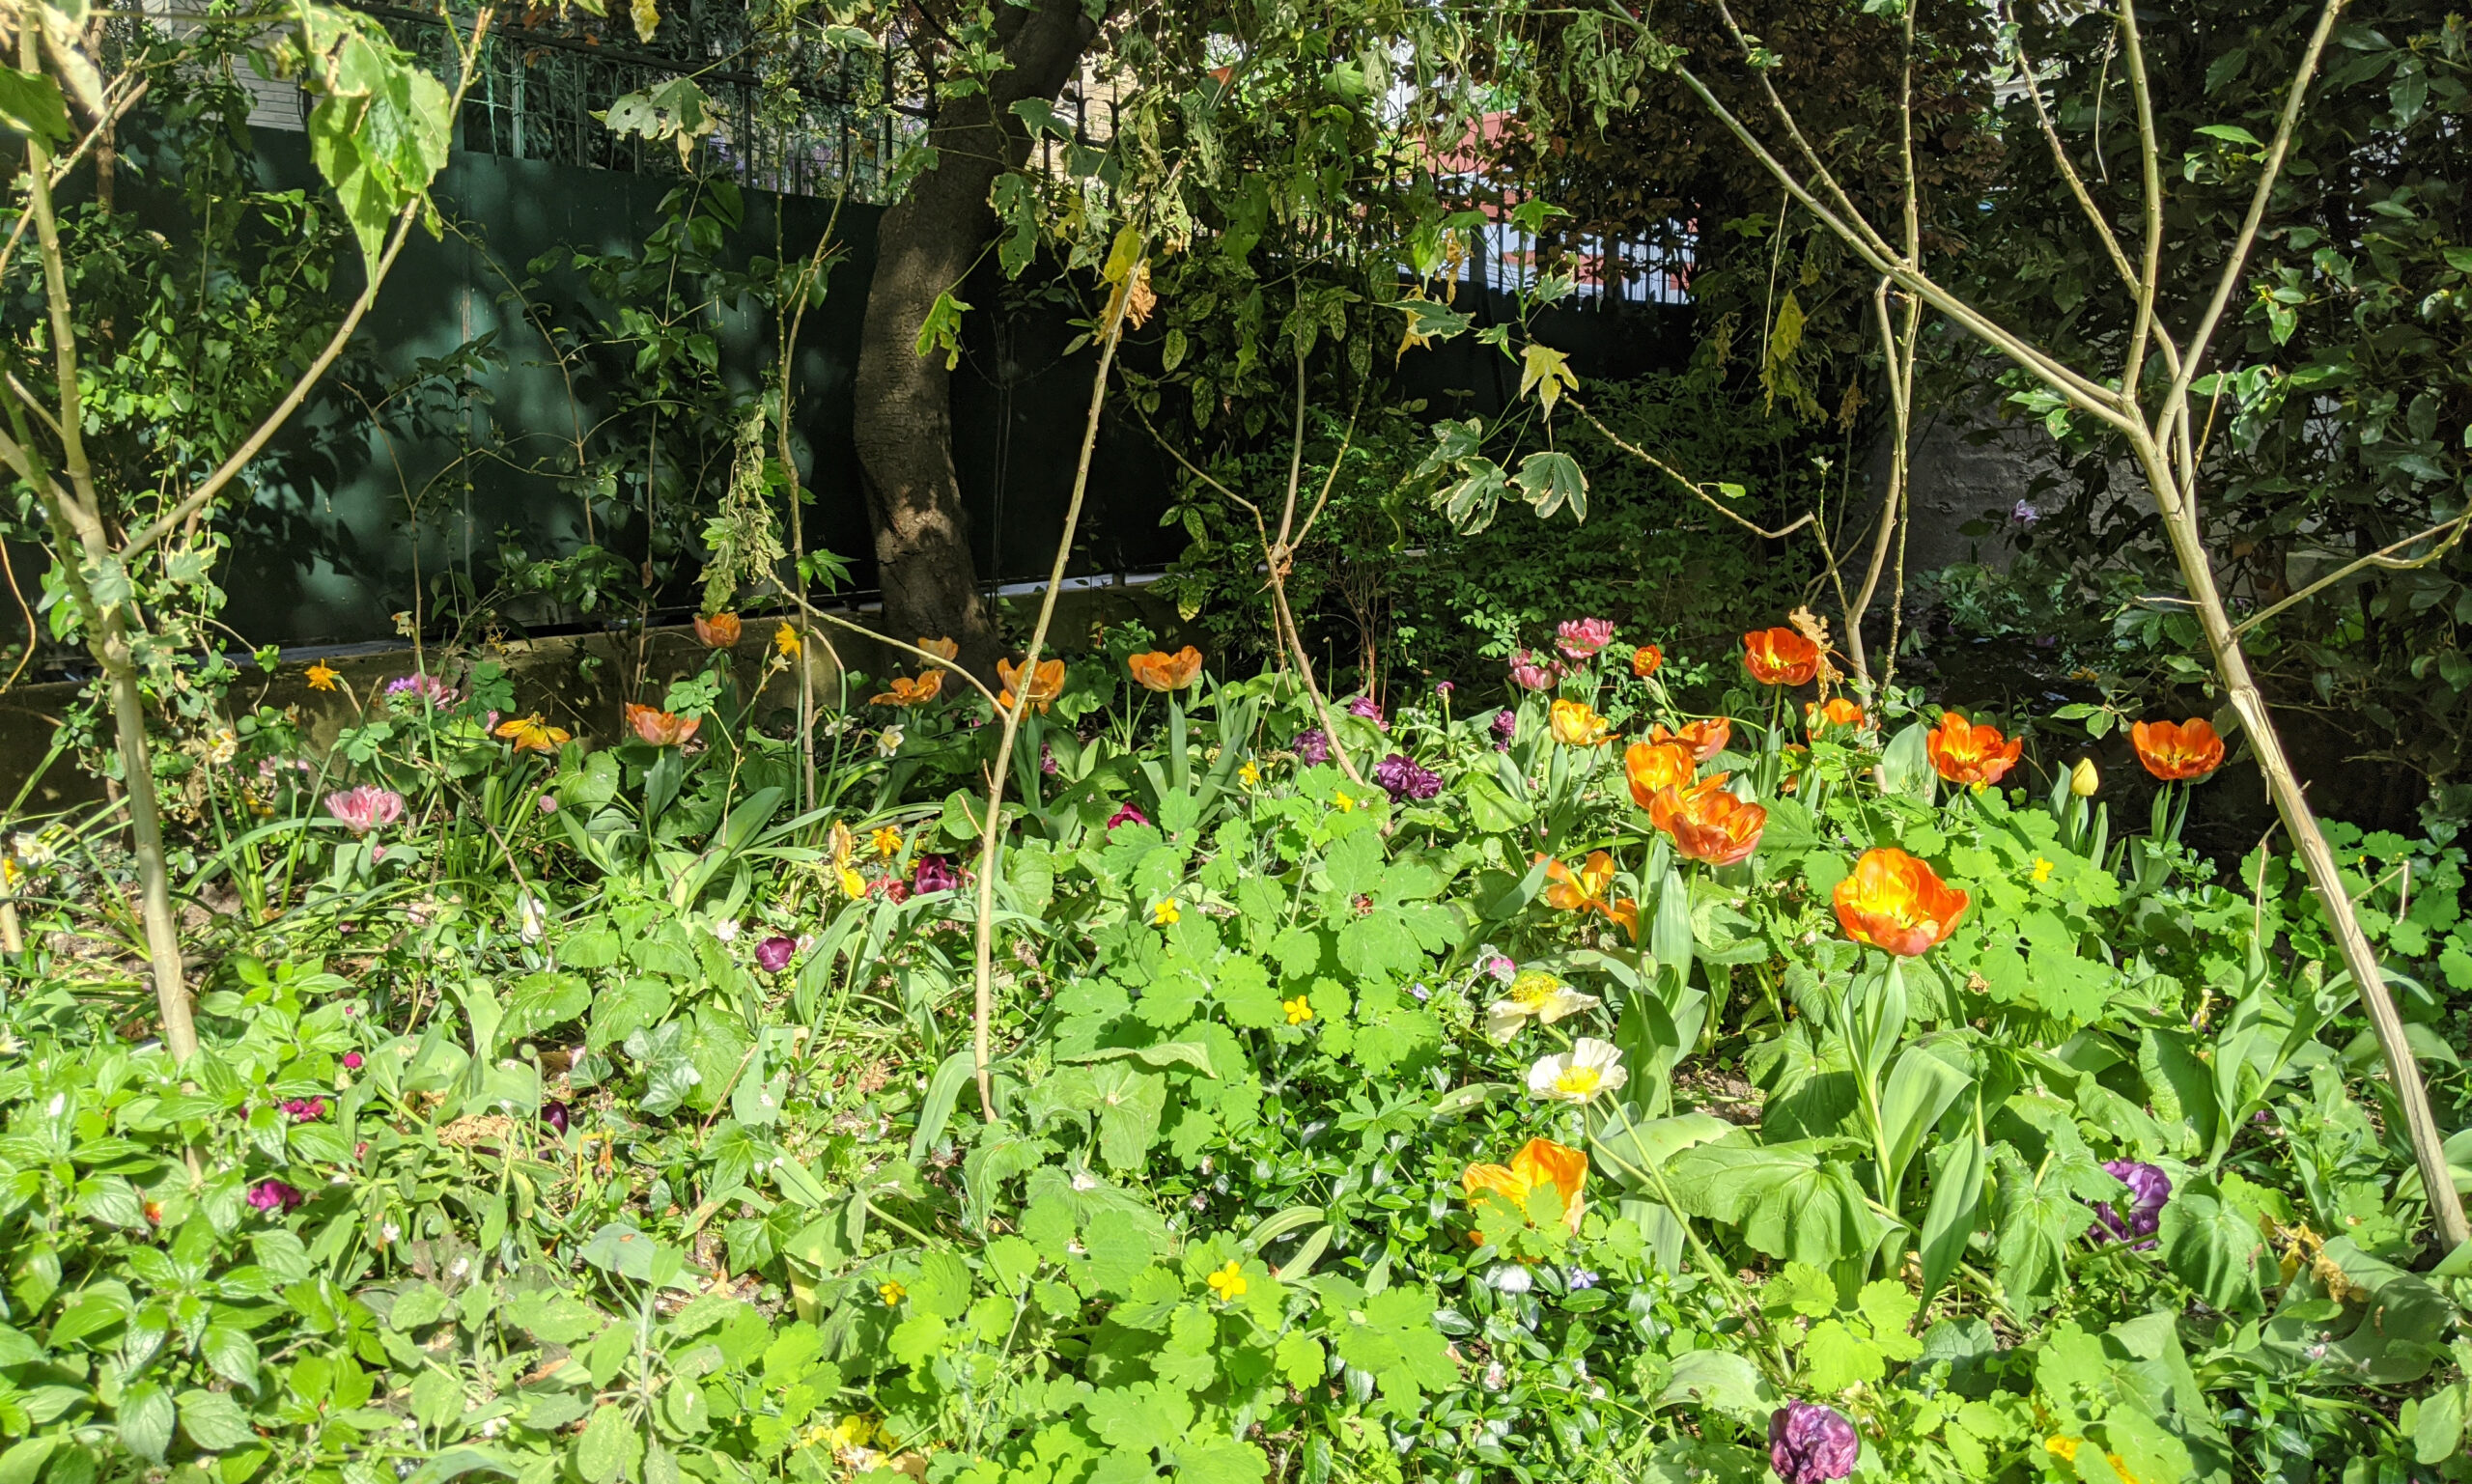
1957	1206
609	1446
2231	133
2213	1248
1552	478
1789	1200
30	106
147	1416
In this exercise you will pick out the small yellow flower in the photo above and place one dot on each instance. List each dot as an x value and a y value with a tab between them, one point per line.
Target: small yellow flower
2042	869
887	840
1164	914
321	677
10	874
892	1292
1249	773
1228	1282
2065	1448
786	640
854	1431
2083	779
1340	801
853	884
1299	1010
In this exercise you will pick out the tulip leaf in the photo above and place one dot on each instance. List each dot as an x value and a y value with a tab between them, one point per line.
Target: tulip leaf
1957	1204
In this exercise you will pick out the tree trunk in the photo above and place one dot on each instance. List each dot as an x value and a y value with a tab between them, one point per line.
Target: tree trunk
904	409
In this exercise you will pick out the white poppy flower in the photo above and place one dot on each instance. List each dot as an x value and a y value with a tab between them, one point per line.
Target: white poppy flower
1535	992
1577	1075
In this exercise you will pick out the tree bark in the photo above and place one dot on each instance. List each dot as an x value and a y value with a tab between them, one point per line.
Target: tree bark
927	243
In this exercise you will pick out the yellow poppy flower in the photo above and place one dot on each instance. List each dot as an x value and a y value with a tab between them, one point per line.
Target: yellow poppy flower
321	676
786	640
1164	914
1228	1282
1299	1010
887	840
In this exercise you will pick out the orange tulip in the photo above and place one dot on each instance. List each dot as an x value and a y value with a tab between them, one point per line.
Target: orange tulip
1159	670
906	691
1705	738
942	649
1586	890
1645	661
1895	902
2177	753
1838	711
718	631
1046	683
1780	657
1713	825
1576	724
659	727
1969	752
1542	1163
1654	766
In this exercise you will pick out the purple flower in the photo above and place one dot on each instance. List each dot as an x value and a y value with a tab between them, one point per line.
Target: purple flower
1505	727
352	1061
773	954
2148	1188
933	873
275	1196
305	1109
1444	687
1312	746
1498	966
365	808
1581	637
1048	763
1581	1278
1809	1443
2024	515
423	687
1402	779
1530	673
1127	815
548	803
556	1117
1370	709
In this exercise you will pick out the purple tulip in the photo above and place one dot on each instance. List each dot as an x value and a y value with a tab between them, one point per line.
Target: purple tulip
2148	1188
1809	1443
274	1198
773	954
933	873
1312	746
365	808
1128	815
1402	779
556	1117
1370	709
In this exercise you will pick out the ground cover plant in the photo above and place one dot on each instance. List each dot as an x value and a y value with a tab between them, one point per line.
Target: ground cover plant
1617	1087
1593	1050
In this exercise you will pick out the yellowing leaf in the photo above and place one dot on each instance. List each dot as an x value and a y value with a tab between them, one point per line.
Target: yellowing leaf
1547	372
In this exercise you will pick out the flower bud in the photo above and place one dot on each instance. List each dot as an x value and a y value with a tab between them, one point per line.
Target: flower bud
2083	779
